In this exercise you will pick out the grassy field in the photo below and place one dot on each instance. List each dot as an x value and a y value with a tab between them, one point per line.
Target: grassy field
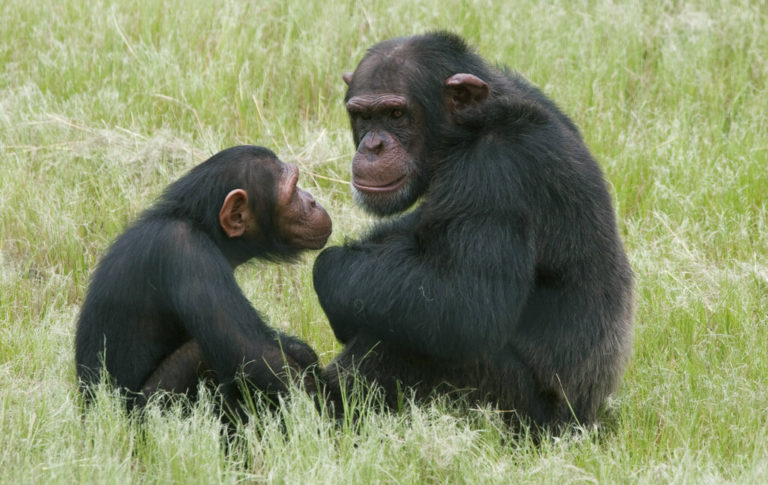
104	103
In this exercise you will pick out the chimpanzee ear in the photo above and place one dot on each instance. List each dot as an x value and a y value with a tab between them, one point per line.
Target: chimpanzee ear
235	213
463	90
347	77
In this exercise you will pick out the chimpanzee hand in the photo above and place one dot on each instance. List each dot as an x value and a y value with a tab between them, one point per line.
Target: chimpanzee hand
298	351
279	362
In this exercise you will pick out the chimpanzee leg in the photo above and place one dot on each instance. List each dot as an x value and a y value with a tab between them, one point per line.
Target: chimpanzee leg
501	380
397	373
179	372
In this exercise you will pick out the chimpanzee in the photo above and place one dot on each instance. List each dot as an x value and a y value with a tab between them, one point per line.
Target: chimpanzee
508	281
164	309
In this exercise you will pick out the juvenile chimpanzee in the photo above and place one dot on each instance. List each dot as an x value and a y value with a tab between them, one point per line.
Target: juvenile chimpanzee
164	307
509	280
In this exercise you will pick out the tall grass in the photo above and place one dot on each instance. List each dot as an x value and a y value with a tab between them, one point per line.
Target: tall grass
104	103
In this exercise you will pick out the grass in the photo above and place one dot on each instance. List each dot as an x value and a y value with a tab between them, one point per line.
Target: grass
103	103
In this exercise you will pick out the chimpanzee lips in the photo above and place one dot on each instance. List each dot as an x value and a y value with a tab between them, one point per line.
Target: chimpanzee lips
365	186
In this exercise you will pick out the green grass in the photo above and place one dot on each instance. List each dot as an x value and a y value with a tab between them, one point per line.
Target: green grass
102	104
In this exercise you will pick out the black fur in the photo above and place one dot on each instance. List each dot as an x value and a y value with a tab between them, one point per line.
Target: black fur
509	280
163	304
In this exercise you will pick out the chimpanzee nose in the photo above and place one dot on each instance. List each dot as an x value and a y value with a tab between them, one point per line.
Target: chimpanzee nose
373	142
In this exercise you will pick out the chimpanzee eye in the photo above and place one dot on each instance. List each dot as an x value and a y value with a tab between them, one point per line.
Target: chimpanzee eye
397	113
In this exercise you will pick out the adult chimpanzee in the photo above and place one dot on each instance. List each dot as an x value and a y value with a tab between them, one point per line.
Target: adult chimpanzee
164	307
509	279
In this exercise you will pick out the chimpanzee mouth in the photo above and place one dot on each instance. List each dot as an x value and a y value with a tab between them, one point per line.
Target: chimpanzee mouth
315	242
390	187
321	237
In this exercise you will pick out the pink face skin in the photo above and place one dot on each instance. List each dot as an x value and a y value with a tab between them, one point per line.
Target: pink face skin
301	221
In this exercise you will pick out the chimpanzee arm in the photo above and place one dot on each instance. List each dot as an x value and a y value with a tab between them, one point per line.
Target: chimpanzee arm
216	314
449	296
181	371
